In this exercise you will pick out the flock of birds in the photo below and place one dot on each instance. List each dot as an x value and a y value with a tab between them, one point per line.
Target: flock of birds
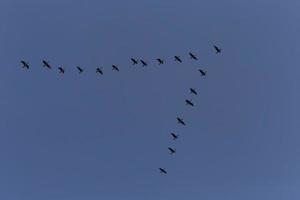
134	61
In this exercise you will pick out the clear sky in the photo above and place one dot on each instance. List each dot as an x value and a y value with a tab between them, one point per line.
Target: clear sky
73	137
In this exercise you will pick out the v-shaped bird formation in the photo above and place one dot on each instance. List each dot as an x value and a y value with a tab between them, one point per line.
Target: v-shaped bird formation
160	61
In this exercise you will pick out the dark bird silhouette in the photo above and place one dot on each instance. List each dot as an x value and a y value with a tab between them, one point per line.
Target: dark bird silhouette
180	121
143	63
218	50
115	67
172	151
46	64
99	71
61	70
25	64
177	58
80	70
189	102
193	56
193	91
160	61
203	73
174	136
162	171
134	61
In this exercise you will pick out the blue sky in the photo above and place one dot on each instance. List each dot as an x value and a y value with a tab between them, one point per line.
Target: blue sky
91	137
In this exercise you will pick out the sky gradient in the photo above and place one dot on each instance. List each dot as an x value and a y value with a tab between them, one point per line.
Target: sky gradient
94	137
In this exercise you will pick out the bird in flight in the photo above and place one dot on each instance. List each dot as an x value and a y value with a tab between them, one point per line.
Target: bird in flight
80	70
115	67
61	70
25	64
180	121
46	64
172	151
193	91
99	71
134	61
218	50
177	58
203	73
174	136
160	61
189	102
193	56
162	171
143	63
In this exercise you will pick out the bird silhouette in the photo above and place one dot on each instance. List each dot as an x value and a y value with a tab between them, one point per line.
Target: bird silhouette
189	102
46	64
99	71
160	61
24	64
218	50
174	136
178	59
80	70
134	61
61	70
115	67
143	63
162	171
193	91
172	151
180	121
203	73
193	56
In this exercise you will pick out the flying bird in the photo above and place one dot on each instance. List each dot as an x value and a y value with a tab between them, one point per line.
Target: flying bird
115	67
61	70
193	56
80	70
143	63
218	50
46	64
172	151
174	136
162	171
134	61
25	64
193	91
203	73
160	61
177	58
99	71
189	102
180	121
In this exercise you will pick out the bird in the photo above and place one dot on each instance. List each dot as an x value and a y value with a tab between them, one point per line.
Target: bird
134	61
193	56
193	91
99	70
218	50
25	64
172	151
143	63
46	64
162	171
160	61
203	73
115	67
189	102
61	70
177	58
80	70
180	121
174	136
